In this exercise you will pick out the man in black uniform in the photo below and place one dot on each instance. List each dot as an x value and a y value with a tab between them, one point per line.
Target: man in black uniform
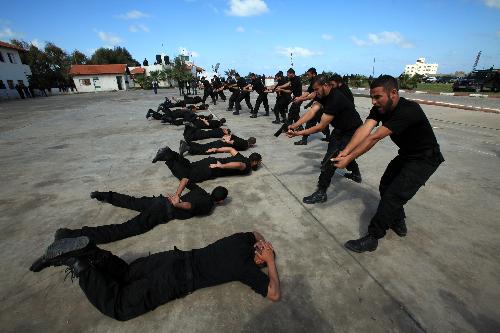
207	90
338	83
232	85
218	88
294	85
283	98
194	134
310	94
232	141
342	115
124	291
258	87
209	167
418	157
152	211
244	94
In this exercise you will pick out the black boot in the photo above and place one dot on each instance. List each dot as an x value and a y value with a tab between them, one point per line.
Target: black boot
353	176
266	114
161	155
283	120
148	114
367	243
253	115
277	121
301	142
66	233
399	227
317	197
63	252
236	113
100	196
183	147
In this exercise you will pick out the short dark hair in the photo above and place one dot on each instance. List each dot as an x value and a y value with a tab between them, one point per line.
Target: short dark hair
322	79
312	70
386	81
222	120
252	74
280	73
251	140
219	193
337	78
290	71
255	157
228	131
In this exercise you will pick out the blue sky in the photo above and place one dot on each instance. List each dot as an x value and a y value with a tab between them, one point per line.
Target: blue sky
258	35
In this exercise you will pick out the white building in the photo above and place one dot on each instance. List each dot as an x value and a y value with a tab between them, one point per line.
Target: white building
420	67
12	71
92	78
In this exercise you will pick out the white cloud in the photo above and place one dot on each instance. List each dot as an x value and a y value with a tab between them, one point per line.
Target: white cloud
7	32
492	3
247	7
383	38
327	37
297	51
133	15
240	29
185	52
37	43
109	39
138	27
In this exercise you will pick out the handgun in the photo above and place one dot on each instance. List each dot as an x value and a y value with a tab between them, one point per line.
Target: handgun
327	160
283	129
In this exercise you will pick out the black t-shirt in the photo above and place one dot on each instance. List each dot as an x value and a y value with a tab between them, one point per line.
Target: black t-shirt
218	172
229	259
206	85
345	117
281	82
201	202
344	88
411	130
258	86
238	143
296	86
241	83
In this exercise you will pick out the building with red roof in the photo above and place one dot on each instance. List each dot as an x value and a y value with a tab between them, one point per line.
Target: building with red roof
93	78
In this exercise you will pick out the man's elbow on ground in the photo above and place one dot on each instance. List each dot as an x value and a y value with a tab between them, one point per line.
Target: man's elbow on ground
273	295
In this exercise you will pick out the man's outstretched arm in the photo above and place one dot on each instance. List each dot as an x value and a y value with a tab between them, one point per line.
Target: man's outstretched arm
307	116
273	289
359	136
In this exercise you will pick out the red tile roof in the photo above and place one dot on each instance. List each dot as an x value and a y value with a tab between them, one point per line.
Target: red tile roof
10	46
98	69
138	70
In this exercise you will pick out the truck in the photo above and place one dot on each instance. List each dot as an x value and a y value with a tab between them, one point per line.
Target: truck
480	80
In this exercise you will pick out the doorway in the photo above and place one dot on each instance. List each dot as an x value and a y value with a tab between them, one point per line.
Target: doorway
119	82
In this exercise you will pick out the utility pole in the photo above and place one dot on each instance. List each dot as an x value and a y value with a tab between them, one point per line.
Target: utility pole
477	61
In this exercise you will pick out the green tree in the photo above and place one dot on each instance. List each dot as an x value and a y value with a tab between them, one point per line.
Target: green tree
117	55
78	58
406	81
230	72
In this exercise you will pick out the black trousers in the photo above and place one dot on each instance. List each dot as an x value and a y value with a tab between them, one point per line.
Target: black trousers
194	134
281	106
315	120
152	211
294	112
181	167
155	115
261	99
244	95
211	124
233	98
124	291
206	93
399	183
201	149
337	143
221	95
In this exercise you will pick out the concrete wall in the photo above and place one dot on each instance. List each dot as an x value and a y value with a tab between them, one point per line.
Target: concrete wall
105	82
12	71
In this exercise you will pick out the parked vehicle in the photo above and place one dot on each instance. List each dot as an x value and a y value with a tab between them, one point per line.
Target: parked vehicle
480	80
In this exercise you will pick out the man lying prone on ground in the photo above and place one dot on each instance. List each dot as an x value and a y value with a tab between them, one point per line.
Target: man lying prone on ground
152	211
124	291
209	167
232	141
192	133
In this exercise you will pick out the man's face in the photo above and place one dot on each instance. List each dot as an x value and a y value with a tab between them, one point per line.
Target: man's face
225	130
310	75
290	75
321	89
381	100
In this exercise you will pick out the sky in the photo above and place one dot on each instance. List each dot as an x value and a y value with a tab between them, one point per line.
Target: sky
259	35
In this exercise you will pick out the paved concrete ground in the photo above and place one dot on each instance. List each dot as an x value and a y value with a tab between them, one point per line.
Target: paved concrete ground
444	276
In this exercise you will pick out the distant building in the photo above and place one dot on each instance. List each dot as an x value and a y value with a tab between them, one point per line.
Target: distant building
92	78
12	71
420	67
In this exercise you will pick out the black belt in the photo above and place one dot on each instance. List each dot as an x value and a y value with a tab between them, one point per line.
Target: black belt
431	152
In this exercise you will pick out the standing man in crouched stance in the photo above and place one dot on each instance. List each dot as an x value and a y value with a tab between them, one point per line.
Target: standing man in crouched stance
124	291
418	157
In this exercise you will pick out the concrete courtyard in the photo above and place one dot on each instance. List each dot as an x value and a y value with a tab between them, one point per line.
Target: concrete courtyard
443	277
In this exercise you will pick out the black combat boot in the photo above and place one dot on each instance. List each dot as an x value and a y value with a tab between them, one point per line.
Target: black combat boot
317	197
367	243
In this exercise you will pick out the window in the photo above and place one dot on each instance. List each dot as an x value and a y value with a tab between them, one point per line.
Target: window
2	85
11	84
85	82
1	57
12	57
